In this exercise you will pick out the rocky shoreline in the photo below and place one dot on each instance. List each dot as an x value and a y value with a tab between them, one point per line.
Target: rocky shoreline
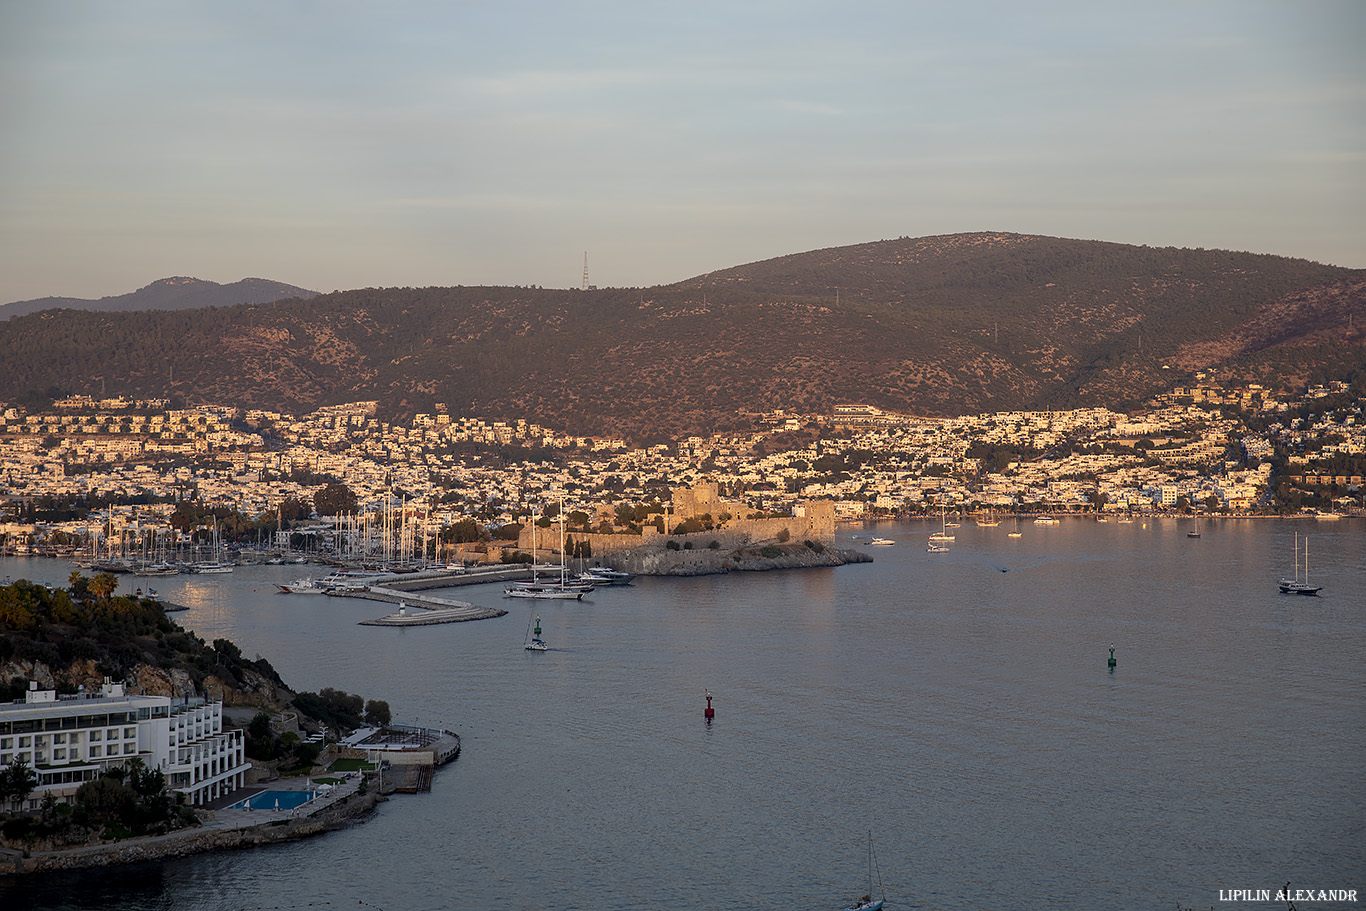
714	562
214	835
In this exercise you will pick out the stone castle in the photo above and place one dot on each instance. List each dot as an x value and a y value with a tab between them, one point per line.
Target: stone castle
813	521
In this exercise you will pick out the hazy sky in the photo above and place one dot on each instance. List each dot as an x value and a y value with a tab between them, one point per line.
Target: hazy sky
340	145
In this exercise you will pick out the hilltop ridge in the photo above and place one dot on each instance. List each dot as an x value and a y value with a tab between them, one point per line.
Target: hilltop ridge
176	293
941	325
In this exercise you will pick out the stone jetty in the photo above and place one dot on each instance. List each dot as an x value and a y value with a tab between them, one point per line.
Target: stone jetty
417	609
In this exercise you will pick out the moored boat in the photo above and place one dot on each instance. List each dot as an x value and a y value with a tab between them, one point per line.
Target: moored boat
1294	586
548	591
606	575
303	587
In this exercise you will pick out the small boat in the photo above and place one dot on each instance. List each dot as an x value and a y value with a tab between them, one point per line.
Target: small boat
1295	586
157	569
1046	520
866	902
1196	532
882	542
1017	533
936	548
943	533
534	642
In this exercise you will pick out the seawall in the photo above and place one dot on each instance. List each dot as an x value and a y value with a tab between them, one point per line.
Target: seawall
209	837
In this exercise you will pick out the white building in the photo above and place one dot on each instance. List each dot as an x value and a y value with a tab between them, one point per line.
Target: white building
69	740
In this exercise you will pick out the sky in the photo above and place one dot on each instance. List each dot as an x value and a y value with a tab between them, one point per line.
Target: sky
337	145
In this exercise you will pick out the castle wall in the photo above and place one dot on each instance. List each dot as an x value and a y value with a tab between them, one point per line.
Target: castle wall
817	524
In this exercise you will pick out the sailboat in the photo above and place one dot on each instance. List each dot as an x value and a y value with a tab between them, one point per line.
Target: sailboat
1295	586
1017	533
534	642
216	565
943	533
990	521
563	590
867	902
1196	533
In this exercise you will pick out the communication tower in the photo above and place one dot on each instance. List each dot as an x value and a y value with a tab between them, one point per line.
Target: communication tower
585	270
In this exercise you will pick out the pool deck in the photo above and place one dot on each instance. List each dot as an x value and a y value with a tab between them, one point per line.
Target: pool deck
236	819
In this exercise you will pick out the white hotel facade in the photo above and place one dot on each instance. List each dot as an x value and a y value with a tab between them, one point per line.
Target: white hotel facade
69	740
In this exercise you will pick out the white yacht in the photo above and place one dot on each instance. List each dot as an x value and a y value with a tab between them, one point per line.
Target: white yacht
606	575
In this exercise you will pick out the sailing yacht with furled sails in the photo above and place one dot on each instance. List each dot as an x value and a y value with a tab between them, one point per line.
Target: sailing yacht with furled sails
1294	586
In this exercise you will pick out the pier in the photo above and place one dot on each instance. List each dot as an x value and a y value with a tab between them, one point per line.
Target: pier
427	610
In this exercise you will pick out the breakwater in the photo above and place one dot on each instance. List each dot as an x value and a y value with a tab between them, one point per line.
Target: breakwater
426	609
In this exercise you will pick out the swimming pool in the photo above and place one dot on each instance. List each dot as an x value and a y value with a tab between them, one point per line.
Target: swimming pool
275	800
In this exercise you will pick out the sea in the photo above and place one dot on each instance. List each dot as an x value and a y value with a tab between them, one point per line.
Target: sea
954	711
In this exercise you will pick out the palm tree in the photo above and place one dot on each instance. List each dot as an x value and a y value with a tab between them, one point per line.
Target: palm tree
103	585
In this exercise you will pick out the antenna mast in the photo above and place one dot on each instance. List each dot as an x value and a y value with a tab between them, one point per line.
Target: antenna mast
585	270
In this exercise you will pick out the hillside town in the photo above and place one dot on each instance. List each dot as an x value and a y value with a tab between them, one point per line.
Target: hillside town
111	464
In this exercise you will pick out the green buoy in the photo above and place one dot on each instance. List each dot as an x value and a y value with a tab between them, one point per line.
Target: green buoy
538	632
1111	662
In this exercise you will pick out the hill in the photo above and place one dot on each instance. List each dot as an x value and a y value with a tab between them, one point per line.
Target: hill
936	325
178	293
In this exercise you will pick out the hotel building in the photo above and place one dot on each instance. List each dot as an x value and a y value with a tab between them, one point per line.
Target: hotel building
69	740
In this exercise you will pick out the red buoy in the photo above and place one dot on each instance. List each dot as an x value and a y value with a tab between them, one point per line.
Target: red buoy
710	713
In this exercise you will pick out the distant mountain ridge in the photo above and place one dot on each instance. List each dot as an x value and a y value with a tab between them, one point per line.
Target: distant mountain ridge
177	293
945	325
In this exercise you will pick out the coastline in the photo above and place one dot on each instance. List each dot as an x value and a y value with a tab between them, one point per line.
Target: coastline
224	830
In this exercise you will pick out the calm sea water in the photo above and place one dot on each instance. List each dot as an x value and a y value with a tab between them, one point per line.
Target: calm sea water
957	705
